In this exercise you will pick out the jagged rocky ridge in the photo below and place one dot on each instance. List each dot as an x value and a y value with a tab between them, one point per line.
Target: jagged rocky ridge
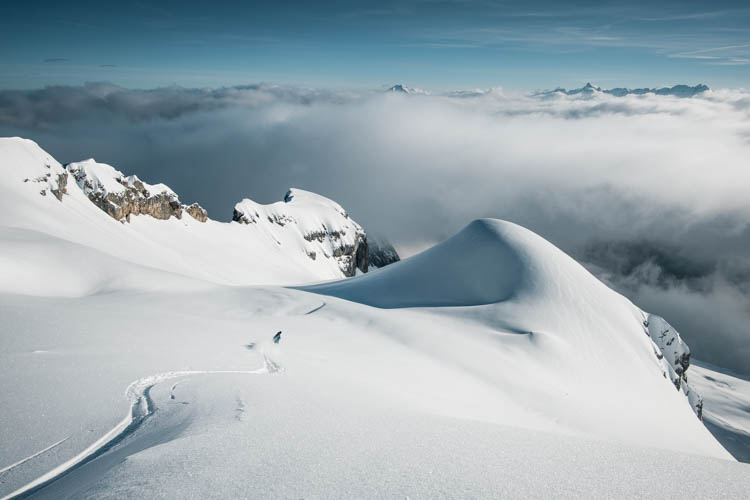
380	253
121	196
321	227
589	89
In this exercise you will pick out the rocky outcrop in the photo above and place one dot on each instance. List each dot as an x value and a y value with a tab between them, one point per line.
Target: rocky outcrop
197	212
120	196
62	186
327	230
674	357
55	179
244	217
352	257
380	253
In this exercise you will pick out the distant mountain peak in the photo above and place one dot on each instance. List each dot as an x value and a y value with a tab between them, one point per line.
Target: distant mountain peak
401	88
589	89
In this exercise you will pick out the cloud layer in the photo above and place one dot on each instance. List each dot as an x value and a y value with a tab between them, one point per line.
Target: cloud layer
650	191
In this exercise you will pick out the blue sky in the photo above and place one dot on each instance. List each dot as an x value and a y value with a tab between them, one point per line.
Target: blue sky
434	44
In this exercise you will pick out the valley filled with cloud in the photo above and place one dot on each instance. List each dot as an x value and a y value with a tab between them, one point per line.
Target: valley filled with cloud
648	191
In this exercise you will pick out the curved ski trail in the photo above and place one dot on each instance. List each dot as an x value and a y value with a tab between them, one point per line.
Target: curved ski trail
24	460
141	408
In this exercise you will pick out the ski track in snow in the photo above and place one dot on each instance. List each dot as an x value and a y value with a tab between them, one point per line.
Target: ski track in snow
321	306
141	408
13	466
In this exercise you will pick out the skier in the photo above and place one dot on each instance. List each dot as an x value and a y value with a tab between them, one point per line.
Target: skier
277	337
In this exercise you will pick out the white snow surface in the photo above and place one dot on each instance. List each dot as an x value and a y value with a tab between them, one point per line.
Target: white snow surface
216	252
102	178
136	361
727	406
310	223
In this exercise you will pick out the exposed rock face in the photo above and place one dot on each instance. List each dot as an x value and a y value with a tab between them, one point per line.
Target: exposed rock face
327	230
54	179
62	186
249	217
120	196
380	253
197	212
352	257
313	230
674	356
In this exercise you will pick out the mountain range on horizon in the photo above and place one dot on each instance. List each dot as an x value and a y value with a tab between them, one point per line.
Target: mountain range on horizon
679	90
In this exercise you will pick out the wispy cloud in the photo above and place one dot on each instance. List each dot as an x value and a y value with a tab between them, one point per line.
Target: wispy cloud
727	55
697	16
56	59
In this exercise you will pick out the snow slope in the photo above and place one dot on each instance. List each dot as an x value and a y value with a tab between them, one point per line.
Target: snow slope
136	362
568	336
368	402
304	238
727	407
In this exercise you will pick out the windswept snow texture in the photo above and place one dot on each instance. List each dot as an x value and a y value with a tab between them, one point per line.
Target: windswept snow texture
137	360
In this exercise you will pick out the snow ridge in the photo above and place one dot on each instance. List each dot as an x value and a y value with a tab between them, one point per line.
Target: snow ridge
515	273
306	237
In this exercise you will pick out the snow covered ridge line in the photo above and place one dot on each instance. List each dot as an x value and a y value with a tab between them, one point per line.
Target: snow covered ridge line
325	227
511	273
305	232
117	195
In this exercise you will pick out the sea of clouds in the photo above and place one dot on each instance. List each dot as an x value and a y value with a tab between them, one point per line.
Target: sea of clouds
651	193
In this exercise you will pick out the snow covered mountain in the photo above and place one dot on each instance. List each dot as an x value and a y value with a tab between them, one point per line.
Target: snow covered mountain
518	276
400	88
305	237
589	89
137	359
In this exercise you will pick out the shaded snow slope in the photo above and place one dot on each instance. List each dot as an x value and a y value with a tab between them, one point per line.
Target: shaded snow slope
726	406
304	238
474	267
